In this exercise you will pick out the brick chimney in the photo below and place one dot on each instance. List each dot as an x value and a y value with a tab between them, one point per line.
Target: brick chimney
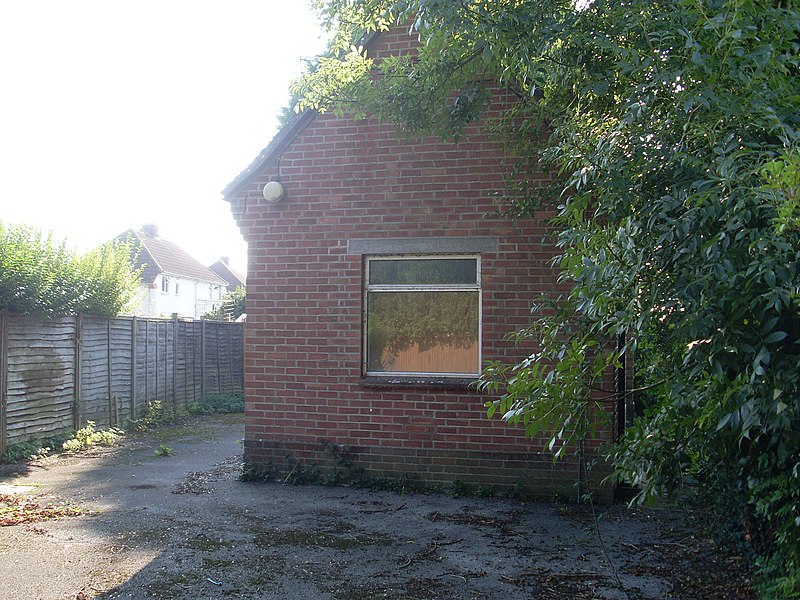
150	230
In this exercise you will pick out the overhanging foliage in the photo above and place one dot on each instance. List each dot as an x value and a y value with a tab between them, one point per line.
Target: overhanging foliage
673	126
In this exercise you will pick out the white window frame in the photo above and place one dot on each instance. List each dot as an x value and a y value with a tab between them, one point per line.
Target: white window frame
475	287
164	284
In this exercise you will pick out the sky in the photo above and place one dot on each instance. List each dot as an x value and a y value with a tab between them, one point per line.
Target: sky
117	113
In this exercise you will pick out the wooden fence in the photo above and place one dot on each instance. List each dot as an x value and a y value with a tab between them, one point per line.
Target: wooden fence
56	374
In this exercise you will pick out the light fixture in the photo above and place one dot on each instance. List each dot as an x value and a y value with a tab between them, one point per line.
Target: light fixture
273	192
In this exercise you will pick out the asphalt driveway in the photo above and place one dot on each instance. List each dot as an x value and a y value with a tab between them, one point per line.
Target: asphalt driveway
183	526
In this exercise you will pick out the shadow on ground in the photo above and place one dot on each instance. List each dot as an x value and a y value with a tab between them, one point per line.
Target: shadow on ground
183	526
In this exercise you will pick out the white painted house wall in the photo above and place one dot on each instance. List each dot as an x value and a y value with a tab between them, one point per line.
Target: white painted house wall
170	294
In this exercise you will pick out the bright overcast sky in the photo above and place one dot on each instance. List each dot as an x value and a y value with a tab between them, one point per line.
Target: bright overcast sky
116	113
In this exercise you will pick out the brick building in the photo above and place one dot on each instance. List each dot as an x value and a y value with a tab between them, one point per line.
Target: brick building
377	287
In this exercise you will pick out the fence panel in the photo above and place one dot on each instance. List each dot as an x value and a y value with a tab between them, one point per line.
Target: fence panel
57	374
211	359
95	366
196	329
39	393
237	359
121	370
185	364
3	375
141	358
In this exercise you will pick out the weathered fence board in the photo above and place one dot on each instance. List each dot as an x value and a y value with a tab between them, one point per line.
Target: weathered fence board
39	383
95	362
57	374
3	376
121	370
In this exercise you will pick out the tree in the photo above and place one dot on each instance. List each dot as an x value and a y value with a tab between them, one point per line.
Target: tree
40	276
234	305
674	127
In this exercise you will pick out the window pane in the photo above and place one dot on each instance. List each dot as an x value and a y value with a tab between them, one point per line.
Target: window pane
423	332
423	271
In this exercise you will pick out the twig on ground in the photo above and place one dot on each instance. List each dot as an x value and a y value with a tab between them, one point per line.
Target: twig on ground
633	546
422	554
611	564
453	575
290	475
383	510
450	543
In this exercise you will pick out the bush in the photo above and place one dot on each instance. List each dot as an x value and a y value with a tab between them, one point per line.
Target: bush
40	276
158	413
233	306
210	405
35	448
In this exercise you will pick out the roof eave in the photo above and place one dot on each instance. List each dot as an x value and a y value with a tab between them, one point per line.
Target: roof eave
279	143
195	278
282	139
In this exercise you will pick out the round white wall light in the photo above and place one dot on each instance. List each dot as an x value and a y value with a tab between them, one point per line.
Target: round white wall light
273	192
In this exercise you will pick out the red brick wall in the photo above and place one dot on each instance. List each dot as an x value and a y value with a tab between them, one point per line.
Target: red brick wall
303	355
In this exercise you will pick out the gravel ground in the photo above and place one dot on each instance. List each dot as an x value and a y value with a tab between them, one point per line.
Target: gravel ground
183	526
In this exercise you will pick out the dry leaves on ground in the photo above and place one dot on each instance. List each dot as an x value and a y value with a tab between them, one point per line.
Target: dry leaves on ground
20	510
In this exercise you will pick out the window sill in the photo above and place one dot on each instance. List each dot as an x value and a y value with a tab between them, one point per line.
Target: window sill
389	381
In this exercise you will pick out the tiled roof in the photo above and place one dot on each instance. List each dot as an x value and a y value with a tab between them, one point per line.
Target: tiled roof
229	274
162	256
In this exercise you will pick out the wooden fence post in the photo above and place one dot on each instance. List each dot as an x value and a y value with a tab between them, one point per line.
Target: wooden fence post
219	365
157	365
242	355
195	355
3	378
134	348
175	359
76	412
166	363
146	361
202	359
113	410
229	327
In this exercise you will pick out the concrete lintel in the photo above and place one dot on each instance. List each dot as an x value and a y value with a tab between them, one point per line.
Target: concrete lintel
427	245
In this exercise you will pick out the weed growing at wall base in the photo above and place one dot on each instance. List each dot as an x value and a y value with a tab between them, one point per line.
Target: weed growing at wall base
162	413
33	449
257	474
89	436
67	442
158	413
340	468
218	403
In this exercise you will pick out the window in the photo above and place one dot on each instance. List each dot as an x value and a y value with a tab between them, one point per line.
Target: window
422	316
177	289
165	284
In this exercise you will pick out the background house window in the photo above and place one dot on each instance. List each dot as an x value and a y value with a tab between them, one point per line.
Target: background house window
165	284
423	315
177	288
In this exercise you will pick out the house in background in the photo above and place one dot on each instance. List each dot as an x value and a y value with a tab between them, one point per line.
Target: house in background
234	279
379	284
172	280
